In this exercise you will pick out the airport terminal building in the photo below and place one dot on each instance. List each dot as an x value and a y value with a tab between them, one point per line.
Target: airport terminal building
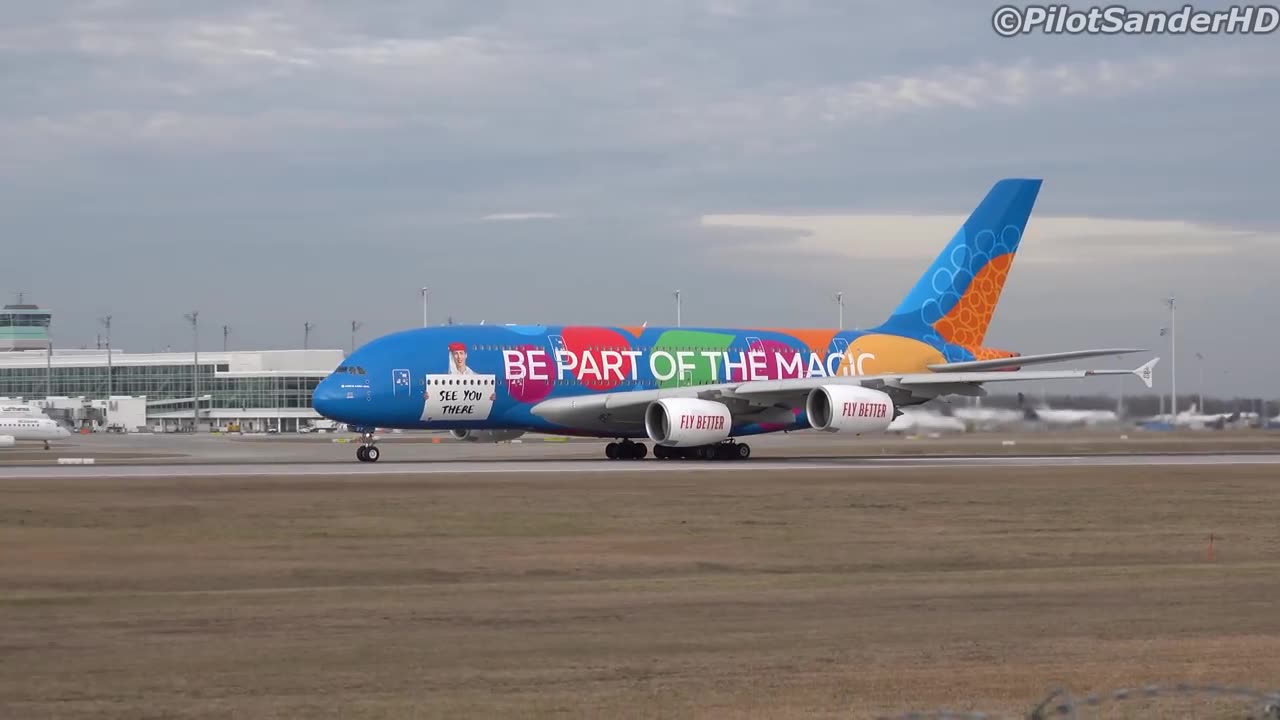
258	391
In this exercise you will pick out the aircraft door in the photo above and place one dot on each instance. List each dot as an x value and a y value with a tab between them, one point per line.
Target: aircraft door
557	344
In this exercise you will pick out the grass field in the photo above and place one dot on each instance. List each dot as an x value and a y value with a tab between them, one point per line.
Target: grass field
737	594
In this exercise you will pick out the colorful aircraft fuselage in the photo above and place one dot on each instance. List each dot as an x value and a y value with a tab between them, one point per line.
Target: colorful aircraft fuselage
695	387
491	377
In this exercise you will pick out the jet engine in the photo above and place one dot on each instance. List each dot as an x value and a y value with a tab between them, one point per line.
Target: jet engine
7	441
849	408
687	422
486	436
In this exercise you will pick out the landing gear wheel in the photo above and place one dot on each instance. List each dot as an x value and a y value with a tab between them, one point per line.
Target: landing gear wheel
662	452
625	450
367	452
743	451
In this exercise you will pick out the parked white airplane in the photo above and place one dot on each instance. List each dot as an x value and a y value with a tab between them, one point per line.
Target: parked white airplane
985	418
1194	420
918	421
1067	417
15	429
1063	417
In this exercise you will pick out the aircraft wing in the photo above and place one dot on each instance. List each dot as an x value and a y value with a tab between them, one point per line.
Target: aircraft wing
754	397
928	385
1023	360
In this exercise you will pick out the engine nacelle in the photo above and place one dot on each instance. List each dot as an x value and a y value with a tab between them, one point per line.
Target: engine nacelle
687	422
7	441
486	436
849	408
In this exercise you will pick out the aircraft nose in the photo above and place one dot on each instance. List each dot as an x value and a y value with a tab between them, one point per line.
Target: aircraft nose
324	399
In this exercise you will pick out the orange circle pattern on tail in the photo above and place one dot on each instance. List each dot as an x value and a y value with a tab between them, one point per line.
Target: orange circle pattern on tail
966	323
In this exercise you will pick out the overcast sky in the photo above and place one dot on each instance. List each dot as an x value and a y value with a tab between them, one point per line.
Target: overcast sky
274	163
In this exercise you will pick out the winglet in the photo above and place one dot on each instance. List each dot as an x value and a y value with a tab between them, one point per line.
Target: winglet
1144	373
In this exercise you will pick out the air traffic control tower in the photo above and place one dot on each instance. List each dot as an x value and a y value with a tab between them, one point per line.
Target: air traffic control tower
24	327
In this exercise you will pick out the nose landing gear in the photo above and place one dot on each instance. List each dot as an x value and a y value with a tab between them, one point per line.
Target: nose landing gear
367	452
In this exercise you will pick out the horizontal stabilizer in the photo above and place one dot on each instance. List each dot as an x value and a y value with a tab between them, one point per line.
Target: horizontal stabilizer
1023	360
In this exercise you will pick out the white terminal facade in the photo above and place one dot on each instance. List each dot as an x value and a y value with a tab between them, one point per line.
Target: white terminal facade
253	391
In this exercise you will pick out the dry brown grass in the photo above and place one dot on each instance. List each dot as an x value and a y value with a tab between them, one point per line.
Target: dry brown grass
835	594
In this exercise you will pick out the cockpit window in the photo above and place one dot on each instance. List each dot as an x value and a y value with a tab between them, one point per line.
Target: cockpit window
350	370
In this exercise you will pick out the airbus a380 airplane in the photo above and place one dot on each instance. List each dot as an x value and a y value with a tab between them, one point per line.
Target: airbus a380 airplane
693	391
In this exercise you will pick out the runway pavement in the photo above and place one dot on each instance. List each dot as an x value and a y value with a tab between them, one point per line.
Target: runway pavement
559	466
411	453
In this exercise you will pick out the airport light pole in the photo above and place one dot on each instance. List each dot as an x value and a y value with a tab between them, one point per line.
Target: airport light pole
424	293
355	326
226	330
1173	358
106	322
677	294
840	304
1200	361
306	334
1120	394
193	317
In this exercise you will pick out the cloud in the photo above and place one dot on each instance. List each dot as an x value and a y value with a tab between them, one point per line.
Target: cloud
507	217
593	81
989	86
1074	240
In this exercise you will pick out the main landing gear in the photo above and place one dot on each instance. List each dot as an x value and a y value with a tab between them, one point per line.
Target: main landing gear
628	450
625	450
367	452
728	450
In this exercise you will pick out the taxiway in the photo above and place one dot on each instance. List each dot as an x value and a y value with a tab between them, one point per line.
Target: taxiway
422	452
604	466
